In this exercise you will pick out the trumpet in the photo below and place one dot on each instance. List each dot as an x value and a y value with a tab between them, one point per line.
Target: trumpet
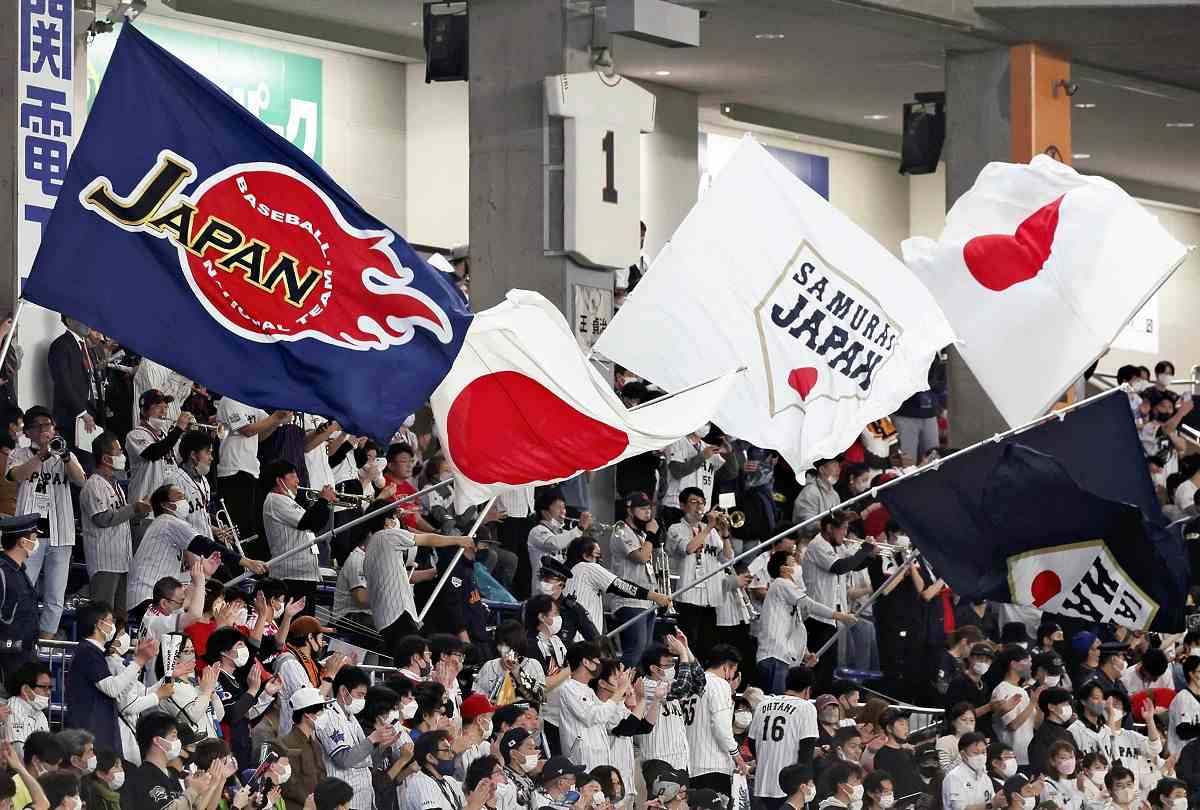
660	572
226	528
730	520
345	499
887	550
597	525
746	606
57	446
201	426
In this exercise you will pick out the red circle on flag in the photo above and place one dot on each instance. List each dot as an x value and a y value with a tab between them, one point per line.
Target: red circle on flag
507	428
1046	585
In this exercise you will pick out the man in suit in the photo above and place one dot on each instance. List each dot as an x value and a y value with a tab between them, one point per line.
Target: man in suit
73	372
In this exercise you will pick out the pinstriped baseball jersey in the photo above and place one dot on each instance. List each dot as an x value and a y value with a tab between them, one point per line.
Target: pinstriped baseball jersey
281	521
709	721
692	567
779	724
105	548
588	583
238	453
48	493
339	733
668	740
385	565
195	509
160	554
146	476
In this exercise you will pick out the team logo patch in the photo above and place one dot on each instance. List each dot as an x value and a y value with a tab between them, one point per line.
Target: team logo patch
1083	580
271	258
823	337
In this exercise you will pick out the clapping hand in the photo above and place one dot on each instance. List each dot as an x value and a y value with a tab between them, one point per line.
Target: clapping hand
293	607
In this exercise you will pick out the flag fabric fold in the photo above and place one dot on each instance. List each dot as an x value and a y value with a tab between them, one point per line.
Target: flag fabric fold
1039	261
190	232
1062	518
523	405
834	331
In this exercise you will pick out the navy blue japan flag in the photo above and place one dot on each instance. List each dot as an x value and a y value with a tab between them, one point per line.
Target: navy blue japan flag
1062	518
190	232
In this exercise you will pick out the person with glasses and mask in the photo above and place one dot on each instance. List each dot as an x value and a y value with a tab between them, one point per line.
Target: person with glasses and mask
29	687
558	787
104	521
91	689
631	551
432	787
590	581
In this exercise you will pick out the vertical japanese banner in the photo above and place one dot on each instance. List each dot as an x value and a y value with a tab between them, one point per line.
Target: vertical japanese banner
593	310
46	131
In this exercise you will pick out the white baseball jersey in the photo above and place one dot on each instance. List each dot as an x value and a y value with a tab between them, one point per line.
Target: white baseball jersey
826	587
107	543
963	787
1185	708
584	723
732	610
703	476
626	541
516	502
238	453
1017	739
160	554
1136	752
23	720
47	492
317	459
423	792
145	476
781	632
154	375
709	721
588	583
198	496
342	740
779	724
668	740
350	576
549	540
693	567
281	521
388	554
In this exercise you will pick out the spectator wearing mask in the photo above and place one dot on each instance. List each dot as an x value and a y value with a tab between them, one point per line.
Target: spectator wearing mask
590	582
1093	773
1057	724
1022	792
239	687
512	675
1090	730
305	752
585	718
879	793
79	751
543	622
105	515
829	718
301	664
44	480
643	712
552	580
698	547
1002	764
62	790
347	748
954	657
238	466
1048	670
631	551
522	766
475	739
29	688
151	785
1085	649
165	612
798	786
818	495
1169	794
1150	673
486	773
101	789
1185	709
550	537
825	569
432	787
671	662
414	659
1062	786
1129	748
558	786
895	757
1014	722
959	721
288	526
713	752
91	689
1112	667
841	785
150	446
1122	788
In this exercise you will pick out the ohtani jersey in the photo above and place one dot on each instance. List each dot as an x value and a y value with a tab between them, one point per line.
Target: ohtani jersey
779	724
709	721
668	740
198	495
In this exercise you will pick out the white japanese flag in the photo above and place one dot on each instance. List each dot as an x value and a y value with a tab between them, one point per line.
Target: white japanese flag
1039	268
764	273
522	405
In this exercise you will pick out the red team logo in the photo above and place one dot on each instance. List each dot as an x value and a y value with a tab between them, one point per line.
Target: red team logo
271	257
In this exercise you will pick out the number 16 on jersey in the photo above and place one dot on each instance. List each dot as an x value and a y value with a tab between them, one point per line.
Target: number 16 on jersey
604	116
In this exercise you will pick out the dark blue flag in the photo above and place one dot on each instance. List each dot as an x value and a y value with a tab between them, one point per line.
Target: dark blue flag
189	231
1061	517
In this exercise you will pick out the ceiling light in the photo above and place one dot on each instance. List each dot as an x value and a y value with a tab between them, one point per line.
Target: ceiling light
1085	106
727	109
875	117
415	24
1181	124
1081	155
662	73
768	36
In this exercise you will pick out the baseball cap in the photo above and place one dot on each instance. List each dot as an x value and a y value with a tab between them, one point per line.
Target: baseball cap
152	396
306	626
983	650
554	567
558	766
1048	661
19	526
1015	782
636	500
511	740
476	705
306	697
824	700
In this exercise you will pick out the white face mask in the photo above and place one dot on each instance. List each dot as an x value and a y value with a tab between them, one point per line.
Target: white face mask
1097	777
1052	680
979	667
887	800
1065	714
279	613
976	762
90	765
356	706
110	633
742	719
122	644
669	674
1009	768
283	775
202	468
241	656
118	779
547	588
158	423
1124	795
409	710
810	792
531	761
36	543
118	463
40	702
173	750
555	625
241	617
961	727
485	726
1028	802
1117	715
73	803
1179	804
856	793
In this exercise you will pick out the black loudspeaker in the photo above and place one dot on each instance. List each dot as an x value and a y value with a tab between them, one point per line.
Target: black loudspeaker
924	133
445	45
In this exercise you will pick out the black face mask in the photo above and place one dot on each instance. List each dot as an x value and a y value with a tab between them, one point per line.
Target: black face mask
640	525
1159	416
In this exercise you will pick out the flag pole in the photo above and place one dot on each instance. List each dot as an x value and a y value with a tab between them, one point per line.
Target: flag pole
874	491
483	512
665	397
887	583
12	330
336	530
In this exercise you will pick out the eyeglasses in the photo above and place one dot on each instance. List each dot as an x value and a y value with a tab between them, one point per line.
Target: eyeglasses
42	687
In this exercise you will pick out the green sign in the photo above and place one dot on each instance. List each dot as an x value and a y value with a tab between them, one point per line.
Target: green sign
281	89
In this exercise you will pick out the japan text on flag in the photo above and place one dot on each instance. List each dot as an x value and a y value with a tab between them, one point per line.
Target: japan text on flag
522	405
833	329
1039	261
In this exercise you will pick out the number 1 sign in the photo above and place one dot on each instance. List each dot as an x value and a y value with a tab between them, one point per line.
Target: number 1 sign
602	163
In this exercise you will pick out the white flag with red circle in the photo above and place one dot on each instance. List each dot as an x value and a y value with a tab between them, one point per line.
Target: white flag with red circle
522	405
1039	268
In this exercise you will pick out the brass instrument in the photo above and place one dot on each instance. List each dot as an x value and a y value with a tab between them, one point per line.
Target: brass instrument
596	525
57	446
886	550
746	608
344	499
226	529
660	573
